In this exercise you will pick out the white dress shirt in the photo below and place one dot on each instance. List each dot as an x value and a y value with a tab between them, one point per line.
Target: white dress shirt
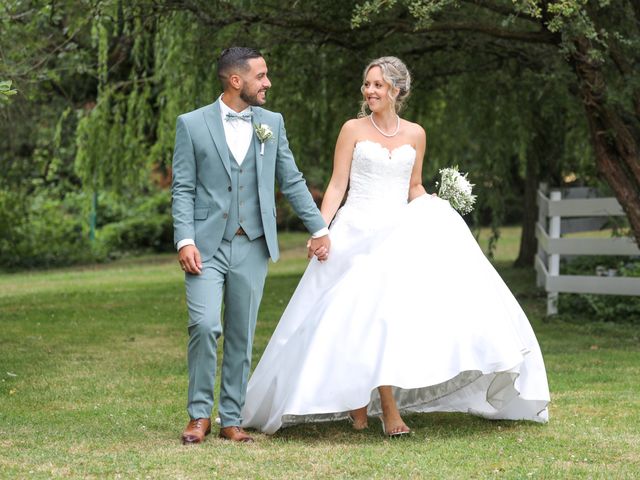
238	134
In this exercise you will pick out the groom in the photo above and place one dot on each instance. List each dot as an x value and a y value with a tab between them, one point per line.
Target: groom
227	157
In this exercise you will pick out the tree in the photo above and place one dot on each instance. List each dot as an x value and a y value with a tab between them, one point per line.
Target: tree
103	81
600	40
466	44
444	42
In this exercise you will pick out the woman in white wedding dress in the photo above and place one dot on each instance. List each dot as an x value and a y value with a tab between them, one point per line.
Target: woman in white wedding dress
406	314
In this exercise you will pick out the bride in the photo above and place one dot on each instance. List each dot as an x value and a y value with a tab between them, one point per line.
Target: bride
406	314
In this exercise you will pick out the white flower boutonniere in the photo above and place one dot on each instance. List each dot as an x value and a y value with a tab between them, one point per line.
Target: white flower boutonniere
264	133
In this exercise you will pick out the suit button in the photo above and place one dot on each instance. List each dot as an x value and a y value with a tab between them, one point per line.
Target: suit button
229	188
224	215
241	187
241	171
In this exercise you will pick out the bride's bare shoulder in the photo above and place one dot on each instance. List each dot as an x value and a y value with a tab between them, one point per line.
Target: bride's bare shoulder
352	129
415	128
416	132
354	125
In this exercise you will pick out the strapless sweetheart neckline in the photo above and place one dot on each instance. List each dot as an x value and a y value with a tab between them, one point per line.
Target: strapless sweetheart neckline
390	152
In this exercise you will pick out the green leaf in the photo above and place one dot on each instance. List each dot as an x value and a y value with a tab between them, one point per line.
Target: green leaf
5	88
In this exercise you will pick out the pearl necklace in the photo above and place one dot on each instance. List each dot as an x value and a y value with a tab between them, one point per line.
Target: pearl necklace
386	134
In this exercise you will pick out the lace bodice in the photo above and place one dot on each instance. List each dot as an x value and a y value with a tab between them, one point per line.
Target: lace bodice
378	184
380	177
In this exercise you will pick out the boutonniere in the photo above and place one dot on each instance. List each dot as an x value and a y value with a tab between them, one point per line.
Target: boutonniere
264	133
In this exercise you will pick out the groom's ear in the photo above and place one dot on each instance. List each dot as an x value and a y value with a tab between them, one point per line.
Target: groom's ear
234	81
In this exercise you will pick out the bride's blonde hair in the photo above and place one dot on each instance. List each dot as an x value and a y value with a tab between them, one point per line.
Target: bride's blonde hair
396	74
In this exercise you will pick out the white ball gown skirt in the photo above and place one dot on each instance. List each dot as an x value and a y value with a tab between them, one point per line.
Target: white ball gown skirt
407	299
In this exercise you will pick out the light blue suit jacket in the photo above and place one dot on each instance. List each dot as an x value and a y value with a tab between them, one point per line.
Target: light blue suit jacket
201	186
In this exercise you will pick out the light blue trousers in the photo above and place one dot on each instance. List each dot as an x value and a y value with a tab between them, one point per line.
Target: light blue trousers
236	273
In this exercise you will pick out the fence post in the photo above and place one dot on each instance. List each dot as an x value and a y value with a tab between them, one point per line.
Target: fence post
542	221
554	258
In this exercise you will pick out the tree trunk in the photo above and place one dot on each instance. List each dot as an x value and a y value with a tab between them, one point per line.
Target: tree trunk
543	164
615	140
528	241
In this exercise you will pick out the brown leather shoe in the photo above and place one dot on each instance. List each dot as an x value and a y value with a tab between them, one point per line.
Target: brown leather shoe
196	430
235	434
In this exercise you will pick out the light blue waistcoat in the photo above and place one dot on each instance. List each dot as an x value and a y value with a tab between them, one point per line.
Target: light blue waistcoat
244	210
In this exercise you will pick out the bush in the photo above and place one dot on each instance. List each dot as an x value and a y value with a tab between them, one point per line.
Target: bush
148	228
39	231
606	308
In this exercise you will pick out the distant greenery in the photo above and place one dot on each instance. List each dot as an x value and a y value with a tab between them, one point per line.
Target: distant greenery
47	232
500	87
146	228
41	231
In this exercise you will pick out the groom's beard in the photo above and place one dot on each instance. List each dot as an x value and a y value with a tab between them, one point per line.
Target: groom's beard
252	99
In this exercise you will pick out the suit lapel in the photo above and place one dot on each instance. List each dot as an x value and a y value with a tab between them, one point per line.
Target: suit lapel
213	119
257	120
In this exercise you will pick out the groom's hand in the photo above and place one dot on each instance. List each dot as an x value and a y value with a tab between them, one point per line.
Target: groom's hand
189	259
319	247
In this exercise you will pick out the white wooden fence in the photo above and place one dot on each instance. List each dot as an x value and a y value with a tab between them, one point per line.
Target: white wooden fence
553	211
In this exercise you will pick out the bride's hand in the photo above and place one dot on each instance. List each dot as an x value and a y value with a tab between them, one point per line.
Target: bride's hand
319	247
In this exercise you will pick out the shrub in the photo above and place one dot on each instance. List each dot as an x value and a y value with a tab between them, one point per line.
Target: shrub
44	231
606	308
39	231
148	228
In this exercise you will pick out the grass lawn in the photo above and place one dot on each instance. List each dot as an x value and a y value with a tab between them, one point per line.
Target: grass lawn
93	385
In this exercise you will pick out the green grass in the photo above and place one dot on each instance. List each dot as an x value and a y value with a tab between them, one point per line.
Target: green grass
93	385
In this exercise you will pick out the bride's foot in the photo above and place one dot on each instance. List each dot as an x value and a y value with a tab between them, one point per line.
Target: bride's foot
394	426
358	418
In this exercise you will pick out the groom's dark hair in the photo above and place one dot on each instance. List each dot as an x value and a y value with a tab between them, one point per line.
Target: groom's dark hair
234	58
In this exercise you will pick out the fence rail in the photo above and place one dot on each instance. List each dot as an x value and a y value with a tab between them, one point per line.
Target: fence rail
551	245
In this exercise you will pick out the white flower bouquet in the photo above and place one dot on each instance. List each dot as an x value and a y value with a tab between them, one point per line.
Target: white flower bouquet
456	189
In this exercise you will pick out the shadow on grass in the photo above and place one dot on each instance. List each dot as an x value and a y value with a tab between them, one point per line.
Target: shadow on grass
425	426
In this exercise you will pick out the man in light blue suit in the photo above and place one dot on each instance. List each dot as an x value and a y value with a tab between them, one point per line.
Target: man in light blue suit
227	158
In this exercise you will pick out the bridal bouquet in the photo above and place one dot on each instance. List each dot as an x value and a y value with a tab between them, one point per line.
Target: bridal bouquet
455	188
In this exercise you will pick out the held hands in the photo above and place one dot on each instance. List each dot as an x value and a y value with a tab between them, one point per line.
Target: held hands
319	247
189	259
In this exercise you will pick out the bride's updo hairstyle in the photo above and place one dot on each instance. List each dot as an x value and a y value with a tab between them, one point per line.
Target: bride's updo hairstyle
396	74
